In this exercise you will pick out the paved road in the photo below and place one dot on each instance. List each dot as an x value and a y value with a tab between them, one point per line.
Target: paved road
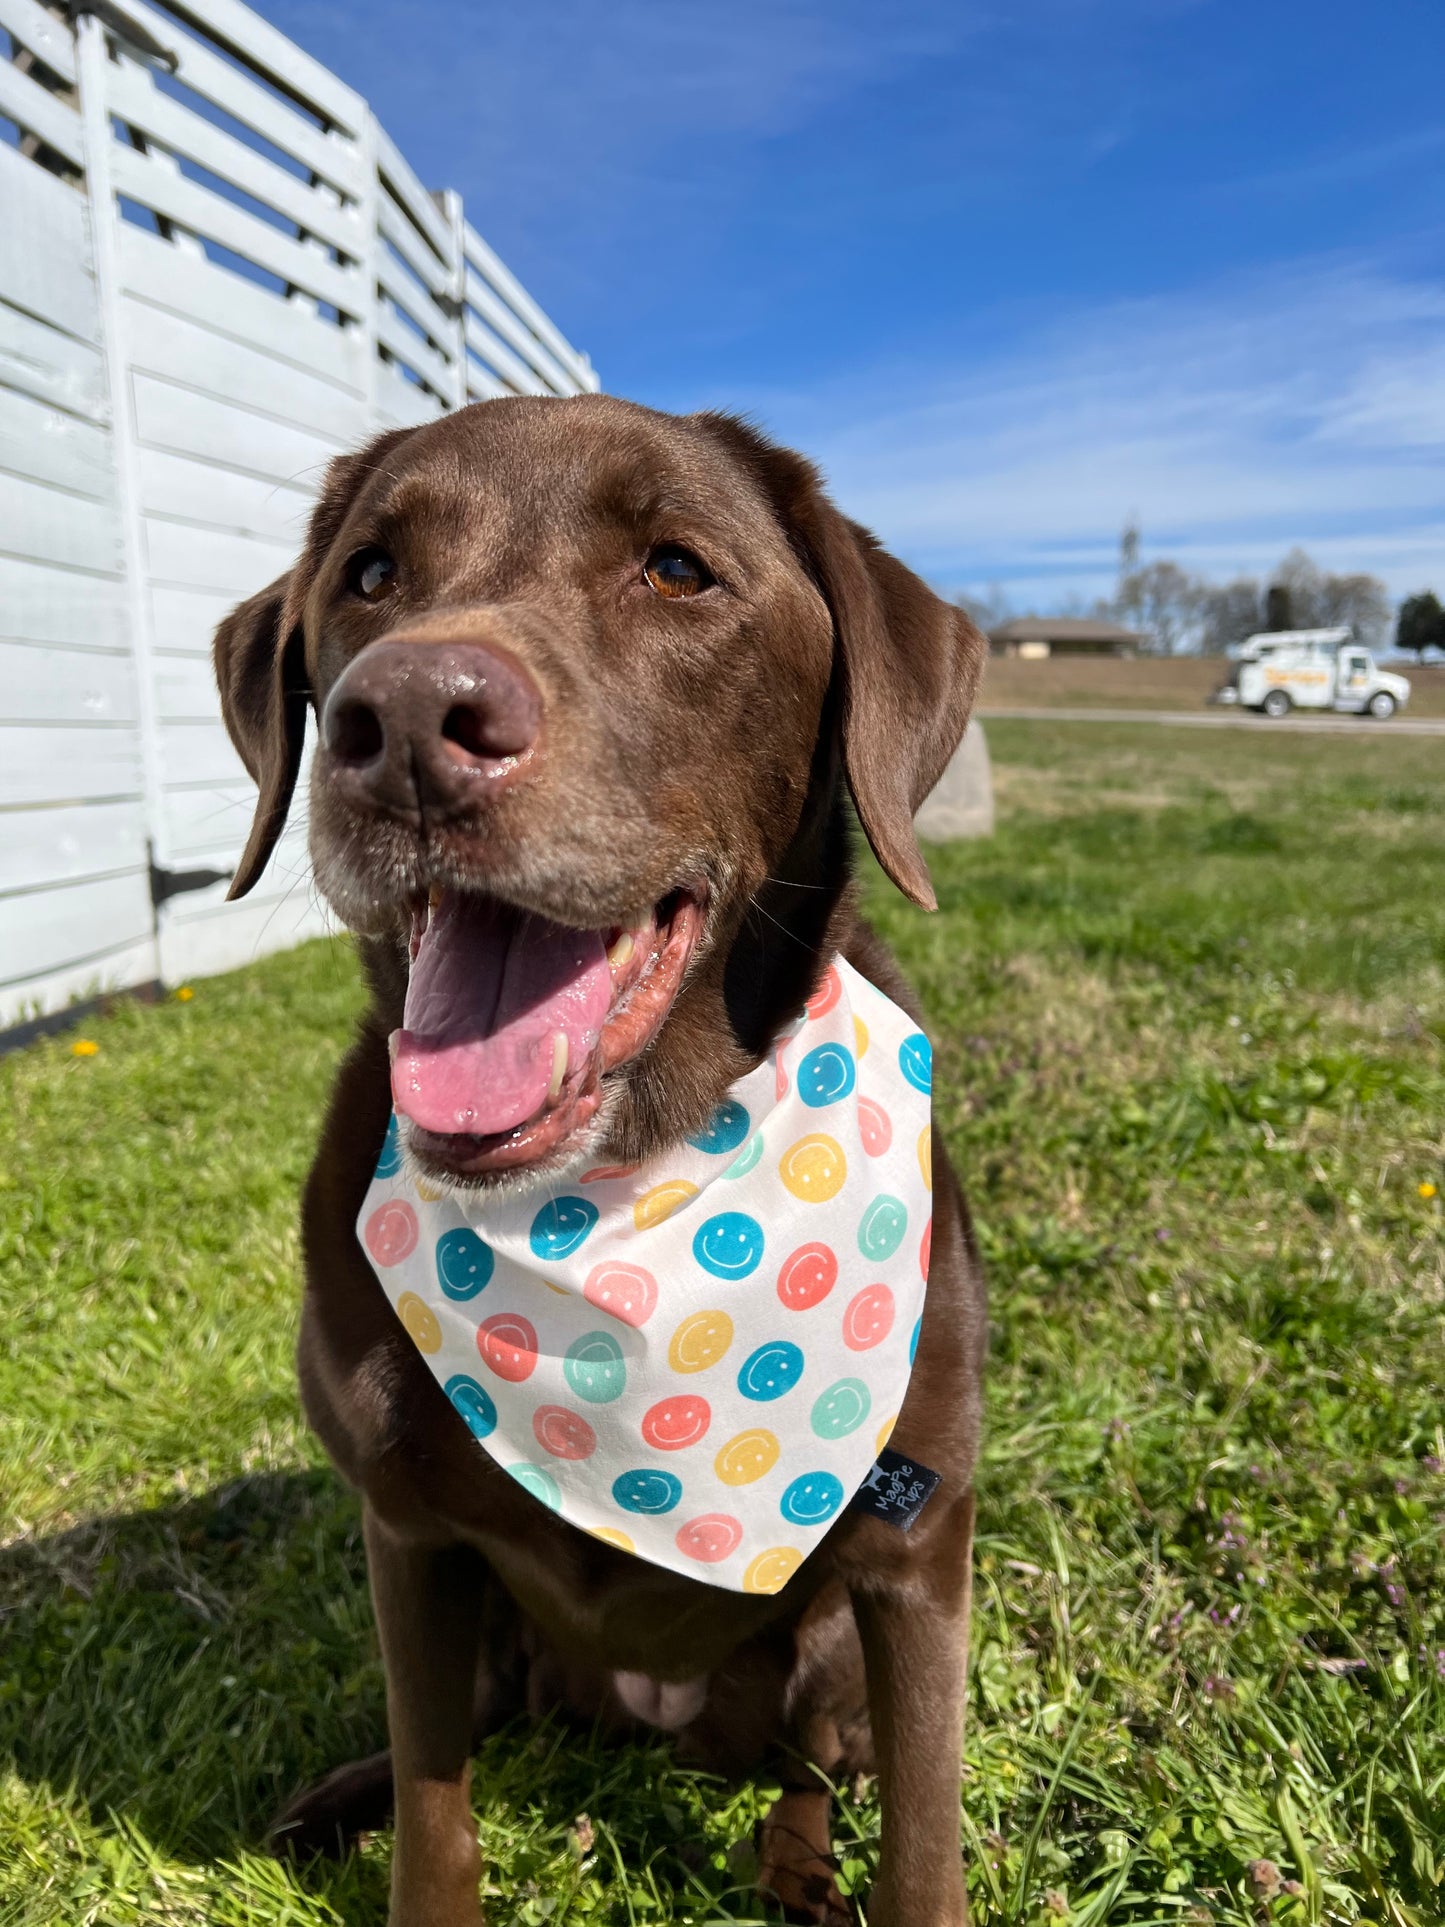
1227	719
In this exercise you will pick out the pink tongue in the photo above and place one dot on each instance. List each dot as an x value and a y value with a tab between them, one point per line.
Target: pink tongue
490	990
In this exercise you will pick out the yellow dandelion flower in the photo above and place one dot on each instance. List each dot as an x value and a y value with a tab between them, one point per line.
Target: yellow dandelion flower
1427	1190
84	1047
184	994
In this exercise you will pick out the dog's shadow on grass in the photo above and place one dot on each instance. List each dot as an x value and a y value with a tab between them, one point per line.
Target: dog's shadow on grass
191	1666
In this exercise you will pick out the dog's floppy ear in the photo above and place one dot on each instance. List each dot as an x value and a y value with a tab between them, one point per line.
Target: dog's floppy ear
909	662
261	671
260	658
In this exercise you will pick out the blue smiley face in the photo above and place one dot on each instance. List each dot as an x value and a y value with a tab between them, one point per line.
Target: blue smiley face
825	1075
595	1369
841	1409
474	1404
464	1263
913	1342
771	1370
811	1499
561	1227
724	1130
647	1491
915	1060
882	1230
729	1245
389	1162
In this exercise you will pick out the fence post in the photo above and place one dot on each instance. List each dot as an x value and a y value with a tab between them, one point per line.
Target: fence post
451	203
92	62
370	249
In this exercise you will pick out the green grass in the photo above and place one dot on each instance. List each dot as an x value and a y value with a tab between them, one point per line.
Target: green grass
1190	1008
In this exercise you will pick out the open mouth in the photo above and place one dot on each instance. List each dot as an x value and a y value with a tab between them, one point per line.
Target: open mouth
512	1021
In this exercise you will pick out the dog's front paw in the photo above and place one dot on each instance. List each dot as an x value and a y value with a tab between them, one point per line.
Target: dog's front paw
795	1861
324	1821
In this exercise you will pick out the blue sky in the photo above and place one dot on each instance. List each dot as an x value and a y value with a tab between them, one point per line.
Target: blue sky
1011	272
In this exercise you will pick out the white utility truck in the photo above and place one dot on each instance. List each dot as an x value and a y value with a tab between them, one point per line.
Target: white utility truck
1312	669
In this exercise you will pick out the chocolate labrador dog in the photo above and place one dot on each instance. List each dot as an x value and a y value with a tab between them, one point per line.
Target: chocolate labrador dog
589	670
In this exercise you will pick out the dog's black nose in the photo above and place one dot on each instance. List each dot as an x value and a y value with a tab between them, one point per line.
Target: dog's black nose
433	726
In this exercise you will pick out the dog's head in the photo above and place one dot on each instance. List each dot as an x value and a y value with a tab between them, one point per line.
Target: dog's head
589	682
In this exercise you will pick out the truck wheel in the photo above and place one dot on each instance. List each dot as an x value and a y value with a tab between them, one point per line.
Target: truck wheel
1277	704
1382	705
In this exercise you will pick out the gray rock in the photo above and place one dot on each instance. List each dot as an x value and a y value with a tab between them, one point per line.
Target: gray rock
962	800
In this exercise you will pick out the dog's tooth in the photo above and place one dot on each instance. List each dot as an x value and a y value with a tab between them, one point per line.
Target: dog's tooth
620	955
559	1066
393	1045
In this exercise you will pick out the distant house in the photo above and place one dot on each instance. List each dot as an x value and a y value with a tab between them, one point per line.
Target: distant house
1033	637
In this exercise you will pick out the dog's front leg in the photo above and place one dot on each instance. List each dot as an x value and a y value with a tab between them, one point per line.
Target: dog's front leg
428	1613
914	1625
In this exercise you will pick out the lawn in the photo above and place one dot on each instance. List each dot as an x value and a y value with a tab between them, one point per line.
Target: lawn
1190	1016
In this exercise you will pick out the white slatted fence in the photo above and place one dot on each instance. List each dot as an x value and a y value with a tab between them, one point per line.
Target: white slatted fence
216	272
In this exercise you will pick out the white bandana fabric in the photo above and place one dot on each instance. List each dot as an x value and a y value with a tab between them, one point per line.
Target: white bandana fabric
698	1360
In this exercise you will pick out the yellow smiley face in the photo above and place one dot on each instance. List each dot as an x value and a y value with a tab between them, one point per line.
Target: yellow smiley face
700	1341
814	1169
772	1570
747	1457
661	1201
420	1322
925	1155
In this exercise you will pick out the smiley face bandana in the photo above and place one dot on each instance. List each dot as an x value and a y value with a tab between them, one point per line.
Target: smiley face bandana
698	1360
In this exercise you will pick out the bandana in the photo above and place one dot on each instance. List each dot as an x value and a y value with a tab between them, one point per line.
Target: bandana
696	1360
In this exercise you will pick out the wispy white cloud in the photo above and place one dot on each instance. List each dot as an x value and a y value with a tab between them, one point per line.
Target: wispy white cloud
1234	420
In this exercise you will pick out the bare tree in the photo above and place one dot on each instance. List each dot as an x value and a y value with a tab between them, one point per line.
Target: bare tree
1359	602
1228	614
1163	600
988	610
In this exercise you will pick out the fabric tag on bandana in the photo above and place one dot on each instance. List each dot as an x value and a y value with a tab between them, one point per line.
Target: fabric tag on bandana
697	1361
897	1489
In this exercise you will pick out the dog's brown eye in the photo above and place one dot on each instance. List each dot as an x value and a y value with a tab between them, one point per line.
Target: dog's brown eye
371	574
675	571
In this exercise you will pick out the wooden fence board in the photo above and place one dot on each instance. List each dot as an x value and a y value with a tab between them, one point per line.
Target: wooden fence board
39	30
52	525
184	620
137	100
118	966
42	684
38	360
40	112
183	489
45	930
191	354
334	156
488	266
169	280
199	211
188	423
40	847
221	559
44	248
41	602
67	765
47	446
